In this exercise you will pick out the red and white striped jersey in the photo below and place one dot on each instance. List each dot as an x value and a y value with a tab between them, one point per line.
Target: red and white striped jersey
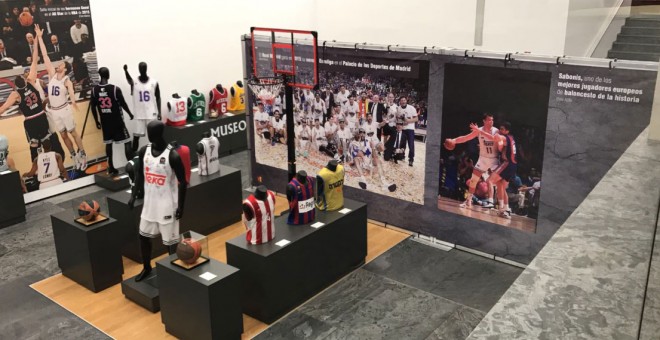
260	229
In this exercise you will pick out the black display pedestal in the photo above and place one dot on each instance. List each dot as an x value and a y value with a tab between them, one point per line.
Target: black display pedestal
195	308
144	293
212	203
275	280
230	130
12	209
88	255
112	183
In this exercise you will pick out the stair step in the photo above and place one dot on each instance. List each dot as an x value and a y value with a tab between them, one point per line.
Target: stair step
645	16
636	22
640	31
628	47
634	56
637	39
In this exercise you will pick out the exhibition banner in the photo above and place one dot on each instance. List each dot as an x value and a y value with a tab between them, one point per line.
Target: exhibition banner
69	39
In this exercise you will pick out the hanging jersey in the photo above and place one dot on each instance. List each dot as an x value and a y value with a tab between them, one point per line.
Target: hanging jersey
47	167
177	112
144	99
260	229
331	196
31	104
301	205
487	147
184	154
161	194
510	152
209	163
219	101
237	100
197	107
57	93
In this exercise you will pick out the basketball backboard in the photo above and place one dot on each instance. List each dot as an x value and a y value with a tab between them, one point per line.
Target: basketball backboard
293	53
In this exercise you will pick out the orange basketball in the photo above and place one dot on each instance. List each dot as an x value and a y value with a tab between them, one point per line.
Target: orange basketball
26	19
450	144
188	250
89	210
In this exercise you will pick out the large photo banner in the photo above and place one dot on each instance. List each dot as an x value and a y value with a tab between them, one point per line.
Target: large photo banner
369	114
50	134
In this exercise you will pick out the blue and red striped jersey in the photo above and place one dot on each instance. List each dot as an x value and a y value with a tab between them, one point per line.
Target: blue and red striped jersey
510	150
301	206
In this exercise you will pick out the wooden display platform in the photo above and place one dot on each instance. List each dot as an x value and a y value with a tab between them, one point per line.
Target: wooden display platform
120	318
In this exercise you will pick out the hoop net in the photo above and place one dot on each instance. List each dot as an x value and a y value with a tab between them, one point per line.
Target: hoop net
266	88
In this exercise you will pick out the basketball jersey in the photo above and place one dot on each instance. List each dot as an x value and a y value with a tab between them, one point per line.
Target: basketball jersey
47	167
301	206
144	99
176	112
332	197
184	153
161	194
260	229
57	92
31	104
105	98
237	100
197	107
510	151
488	148
219	101
209	163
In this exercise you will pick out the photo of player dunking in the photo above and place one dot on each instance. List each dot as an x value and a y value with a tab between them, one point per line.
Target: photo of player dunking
347	130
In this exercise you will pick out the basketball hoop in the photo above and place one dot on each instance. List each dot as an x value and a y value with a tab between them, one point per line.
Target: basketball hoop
266	88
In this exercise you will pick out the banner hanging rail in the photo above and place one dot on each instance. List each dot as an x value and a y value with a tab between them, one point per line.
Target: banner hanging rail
515	56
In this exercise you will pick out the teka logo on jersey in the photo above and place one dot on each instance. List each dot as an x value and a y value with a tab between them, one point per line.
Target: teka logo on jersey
154	178
229	129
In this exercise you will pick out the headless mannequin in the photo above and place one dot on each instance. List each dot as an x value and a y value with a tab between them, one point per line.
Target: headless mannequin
260	193
174	95
332	166
217	87
142	67
301	176
158	145
231	90
200	147
128	150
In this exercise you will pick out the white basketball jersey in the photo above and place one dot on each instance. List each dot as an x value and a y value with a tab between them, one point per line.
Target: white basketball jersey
57	92
47	168
144	99
209	163
161	193
177	111
488	148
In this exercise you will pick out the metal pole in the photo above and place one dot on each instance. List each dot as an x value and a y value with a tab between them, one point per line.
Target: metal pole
290	124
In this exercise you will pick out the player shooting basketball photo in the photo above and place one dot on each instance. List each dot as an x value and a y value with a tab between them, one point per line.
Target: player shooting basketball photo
493	137
368	113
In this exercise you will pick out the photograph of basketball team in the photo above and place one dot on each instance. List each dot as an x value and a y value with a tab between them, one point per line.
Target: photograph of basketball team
492	144
371	122
43	70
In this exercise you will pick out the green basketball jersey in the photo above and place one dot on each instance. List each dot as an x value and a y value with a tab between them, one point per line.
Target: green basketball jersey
197	107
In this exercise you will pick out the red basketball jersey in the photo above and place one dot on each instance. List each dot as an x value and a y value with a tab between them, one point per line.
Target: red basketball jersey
184	153
260	229
219	101
301	206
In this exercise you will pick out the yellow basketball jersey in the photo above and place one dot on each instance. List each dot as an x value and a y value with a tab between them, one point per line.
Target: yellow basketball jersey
332	197
237	101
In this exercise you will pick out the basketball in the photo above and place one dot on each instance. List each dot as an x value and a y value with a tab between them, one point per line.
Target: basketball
89	210
26	19
450	144
188	250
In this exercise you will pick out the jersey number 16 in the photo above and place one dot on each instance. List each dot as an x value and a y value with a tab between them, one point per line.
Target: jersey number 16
144	96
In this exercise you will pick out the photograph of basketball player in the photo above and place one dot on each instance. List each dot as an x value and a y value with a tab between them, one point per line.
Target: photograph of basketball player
303	138
60	91
278	128
262	123
6	161
48	166
146	101
486	173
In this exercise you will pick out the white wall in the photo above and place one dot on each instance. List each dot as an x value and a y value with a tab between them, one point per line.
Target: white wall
587	22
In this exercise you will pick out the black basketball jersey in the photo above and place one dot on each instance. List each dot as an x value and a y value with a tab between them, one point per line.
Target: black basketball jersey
30	104
104	97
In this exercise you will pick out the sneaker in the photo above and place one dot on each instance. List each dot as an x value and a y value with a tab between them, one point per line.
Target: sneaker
272	143
113	172
466	204
505	214
390	187
362	183
76	161
488	205
82	159
410	163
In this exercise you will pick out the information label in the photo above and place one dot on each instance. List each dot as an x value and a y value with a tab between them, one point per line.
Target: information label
282	243
208	276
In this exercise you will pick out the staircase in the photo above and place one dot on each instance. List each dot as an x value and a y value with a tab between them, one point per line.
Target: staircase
639	39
